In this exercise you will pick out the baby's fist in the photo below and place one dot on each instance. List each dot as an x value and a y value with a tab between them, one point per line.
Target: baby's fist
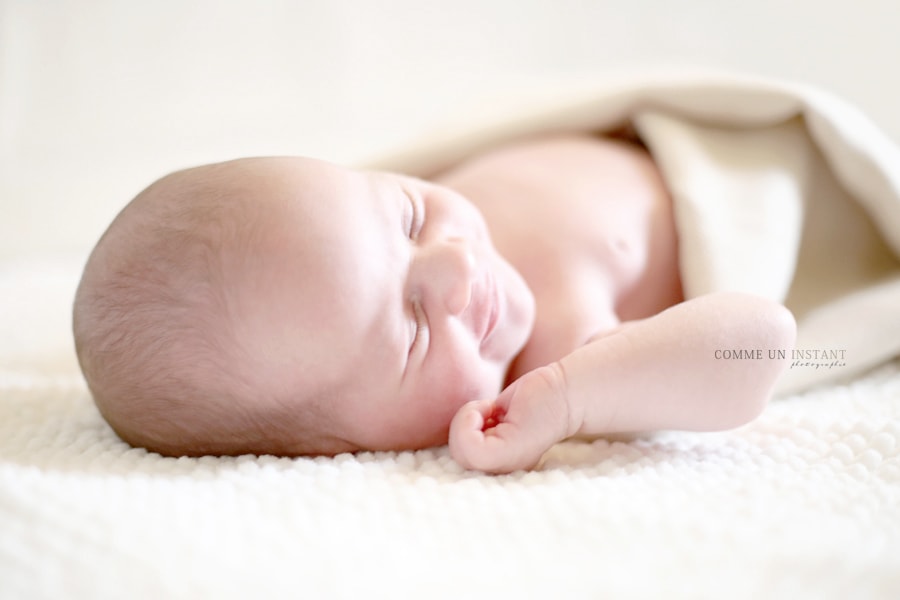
514	430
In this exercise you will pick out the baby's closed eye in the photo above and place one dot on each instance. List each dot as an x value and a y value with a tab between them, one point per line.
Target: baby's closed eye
416	217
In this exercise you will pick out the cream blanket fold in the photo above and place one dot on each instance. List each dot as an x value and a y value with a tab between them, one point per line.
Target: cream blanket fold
780	189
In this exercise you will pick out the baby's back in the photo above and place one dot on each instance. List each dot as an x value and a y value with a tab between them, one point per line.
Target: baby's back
588	222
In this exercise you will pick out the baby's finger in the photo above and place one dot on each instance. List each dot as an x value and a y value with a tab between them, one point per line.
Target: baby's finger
469	421
478	414
487	452
477	443
467	434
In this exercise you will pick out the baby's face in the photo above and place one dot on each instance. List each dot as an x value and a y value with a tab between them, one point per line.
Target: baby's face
389	290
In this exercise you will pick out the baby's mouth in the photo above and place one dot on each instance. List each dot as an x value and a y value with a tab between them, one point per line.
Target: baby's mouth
485	309
495	312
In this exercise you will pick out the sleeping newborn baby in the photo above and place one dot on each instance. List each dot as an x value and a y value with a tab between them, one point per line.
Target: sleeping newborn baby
290	306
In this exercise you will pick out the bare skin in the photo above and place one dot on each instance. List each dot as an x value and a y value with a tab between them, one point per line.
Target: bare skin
614	348
527	295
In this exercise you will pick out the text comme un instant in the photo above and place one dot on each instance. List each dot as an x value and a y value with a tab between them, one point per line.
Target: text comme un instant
815	358
796	354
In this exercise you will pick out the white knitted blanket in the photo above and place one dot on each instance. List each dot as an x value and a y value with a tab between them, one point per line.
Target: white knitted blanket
802	503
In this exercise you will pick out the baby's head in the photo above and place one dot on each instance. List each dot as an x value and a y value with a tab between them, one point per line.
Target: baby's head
290	306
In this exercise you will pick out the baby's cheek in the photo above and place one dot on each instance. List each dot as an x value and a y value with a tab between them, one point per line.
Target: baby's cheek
355	420
463	387
450	381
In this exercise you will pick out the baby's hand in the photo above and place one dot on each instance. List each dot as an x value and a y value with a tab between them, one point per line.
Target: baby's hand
514	430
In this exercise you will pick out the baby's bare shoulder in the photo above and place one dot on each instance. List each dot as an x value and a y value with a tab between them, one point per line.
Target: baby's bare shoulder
570	159
582	204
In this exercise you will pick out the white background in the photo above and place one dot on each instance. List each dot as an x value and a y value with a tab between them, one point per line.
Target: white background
100	97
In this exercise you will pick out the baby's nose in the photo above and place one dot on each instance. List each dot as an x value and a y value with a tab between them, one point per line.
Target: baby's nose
447	272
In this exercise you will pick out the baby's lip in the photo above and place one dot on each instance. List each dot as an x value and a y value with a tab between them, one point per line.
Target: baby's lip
487	311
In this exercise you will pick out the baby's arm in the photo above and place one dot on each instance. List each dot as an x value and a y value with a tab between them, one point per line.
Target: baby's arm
659	373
